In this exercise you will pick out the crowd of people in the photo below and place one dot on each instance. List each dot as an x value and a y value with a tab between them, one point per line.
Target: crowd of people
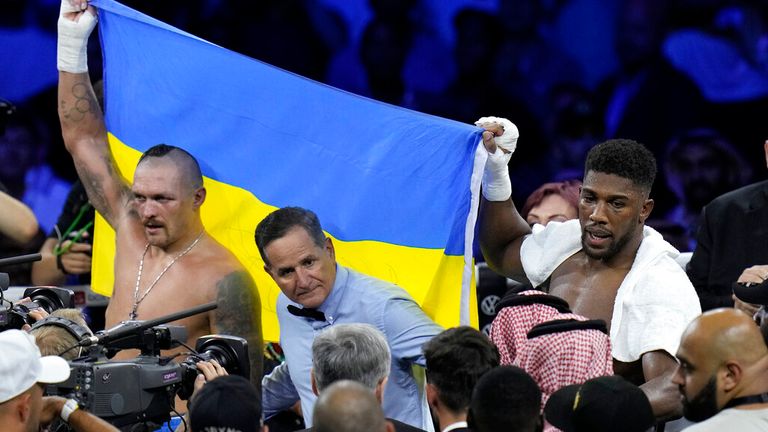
601	323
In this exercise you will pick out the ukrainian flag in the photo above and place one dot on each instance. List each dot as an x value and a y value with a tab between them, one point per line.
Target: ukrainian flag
397	190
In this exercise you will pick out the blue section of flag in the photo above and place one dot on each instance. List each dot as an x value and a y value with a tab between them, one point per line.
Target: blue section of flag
370	170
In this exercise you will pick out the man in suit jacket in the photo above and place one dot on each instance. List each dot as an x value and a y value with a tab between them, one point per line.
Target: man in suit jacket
732	245
353	352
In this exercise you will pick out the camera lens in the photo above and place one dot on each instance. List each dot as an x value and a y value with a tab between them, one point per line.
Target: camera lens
221	355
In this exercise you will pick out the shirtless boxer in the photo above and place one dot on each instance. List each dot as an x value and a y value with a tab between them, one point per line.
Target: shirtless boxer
607	264
165	261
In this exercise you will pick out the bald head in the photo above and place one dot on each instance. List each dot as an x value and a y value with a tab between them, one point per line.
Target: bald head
722	357
347	406
186	163
725	334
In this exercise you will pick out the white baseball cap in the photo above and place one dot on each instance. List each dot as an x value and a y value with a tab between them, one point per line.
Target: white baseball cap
21	365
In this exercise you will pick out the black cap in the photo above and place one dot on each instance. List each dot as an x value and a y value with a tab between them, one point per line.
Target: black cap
229	402
752	293
604	404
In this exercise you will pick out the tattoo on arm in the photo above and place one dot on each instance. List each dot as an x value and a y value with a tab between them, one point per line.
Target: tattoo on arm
94	187
239	314
84	103
86	137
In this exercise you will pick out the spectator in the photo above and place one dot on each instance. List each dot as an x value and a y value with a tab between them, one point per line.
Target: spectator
354	352
67	250
229	403
701	165
723	373
731	245
348	406
18	223
505	399
557	202
604	404
456	359
25	174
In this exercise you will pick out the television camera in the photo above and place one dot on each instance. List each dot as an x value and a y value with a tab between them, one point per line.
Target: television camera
15	315
139	394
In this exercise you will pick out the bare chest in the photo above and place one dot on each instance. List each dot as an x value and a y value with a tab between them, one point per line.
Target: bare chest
590	293
158	289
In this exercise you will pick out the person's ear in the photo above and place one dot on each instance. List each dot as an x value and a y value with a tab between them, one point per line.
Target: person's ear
390	426
379	391
432	398
199	197
313	382
23	409
268	269
329	247
730	376
645	211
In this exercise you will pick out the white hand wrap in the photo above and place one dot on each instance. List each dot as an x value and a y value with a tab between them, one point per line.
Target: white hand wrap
508	140
72	52
496	183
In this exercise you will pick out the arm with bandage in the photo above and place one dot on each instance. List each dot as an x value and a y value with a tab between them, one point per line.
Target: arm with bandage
82	122
502	229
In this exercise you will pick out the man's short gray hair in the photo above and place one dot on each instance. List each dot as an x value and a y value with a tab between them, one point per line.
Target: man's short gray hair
357	352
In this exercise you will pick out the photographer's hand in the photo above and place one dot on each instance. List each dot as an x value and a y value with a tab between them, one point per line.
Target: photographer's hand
77	259
36	314
209	370
51	409
79	420
751	275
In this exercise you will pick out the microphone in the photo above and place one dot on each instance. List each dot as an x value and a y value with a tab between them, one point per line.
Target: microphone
130	328
21	259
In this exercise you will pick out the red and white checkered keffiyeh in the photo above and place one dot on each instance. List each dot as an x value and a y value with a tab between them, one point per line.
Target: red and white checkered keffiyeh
553	360
570	357
510	328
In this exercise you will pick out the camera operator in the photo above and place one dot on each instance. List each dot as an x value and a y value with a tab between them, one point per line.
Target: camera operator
230	402
23	373
57	335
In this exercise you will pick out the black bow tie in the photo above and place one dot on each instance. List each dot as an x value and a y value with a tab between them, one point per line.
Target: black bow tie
307	313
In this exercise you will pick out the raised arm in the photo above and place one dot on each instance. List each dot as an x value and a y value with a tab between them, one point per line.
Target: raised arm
502	229
82	122
239	314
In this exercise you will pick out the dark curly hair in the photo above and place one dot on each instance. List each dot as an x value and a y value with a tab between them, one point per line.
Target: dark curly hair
625	158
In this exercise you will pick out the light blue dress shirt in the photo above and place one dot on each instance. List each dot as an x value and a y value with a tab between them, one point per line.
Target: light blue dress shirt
354	298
